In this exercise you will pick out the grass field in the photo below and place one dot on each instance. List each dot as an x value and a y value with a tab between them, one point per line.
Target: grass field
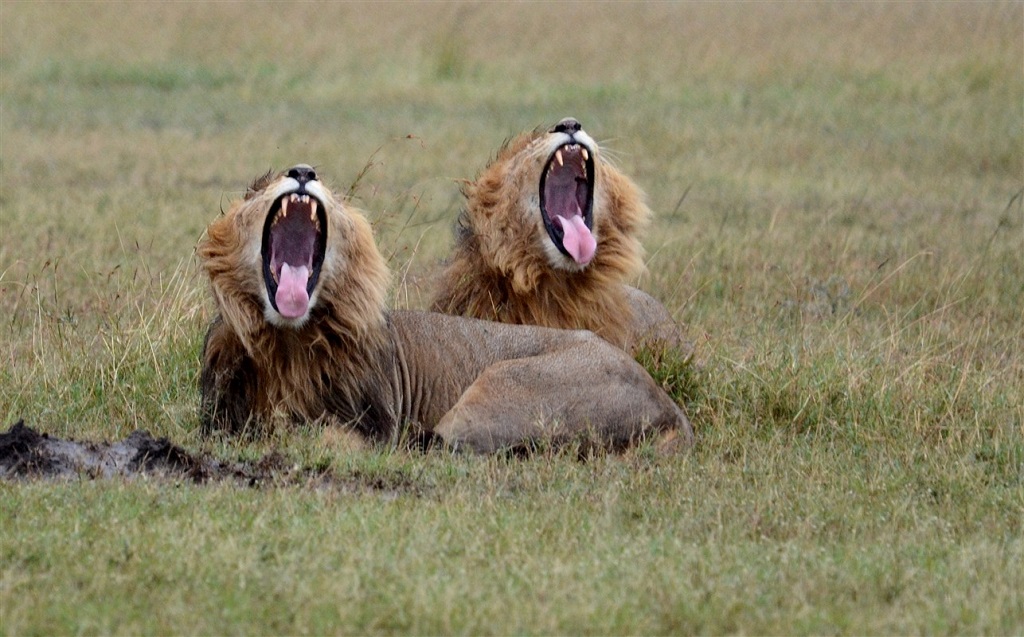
839	224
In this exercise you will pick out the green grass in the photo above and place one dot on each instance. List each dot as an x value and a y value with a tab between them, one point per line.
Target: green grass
839	225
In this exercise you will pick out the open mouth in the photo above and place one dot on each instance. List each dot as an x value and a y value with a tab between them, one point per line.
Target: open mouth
567	201
294	242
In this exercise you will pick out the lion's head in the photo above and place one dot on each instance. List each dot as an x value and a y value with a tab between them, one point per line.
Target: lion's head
550	199
549	235
290	258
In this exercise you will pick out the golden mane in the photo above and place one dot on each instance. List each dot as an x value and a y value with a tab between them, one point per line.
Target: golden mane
308	361
499	269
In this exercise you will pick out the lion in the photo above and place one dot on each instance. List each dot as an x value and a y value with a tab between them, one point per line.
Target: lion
303	334
549	236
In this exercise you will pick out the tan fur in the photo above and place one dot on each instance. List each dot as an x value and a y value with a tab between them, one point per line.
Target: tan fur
478	385
500	270
303	361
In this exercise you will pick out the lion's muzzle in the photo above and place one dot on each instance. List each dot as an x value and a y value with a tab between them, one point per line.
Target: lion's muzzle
567	196
294	243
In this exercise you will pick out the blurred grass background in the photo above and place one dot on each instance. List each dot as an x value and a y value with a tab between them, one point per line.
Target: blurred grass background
839	224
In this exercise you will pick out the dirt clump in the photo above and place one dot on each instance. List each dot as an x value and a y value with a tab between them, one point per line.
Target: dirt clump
26	454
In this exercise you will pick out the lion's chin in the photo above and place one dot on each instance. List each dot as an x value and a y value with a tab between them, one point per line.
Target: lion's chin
273	316
557	258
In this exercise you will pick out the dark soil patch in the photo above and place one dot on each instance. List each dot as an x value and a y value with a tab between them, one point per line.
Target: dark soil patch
26	454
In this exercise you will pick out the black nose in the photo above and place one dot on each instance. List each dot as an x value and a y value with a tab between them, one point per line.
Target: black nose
567	125
302	173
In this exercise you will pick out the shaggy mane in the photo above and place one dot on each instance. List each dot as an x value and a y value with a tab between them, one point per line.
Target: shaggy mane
499	271
341	355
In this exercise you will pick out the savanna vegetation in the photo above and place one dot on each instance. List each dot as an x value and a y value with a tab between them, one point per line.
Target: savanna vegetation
839	225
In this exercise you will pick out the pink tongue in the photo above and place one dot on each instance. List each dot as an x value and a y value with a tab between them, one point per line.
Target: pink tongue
291	298
577	240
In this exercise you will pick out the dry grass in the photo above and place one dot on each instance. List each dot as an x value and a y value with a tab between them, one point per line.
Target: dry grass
838	191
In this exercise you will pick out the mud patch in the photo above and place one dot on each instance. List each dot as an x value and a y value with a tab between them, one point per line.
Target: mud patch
26	454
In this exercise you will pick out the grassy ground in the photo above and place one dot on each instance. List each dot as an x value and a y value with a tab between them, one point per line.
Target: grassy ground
838	190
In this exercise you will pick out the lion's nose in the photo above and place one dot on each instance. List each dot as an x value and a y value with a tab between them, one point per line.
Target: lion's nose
568	125
302	173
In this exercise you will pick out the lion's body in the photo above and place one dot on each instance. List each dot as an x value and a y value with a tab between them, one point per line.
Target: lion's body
504	269
473	383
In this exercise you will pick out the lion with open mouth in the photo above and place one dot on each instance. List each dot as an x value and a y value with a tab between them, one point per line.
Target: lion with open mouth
549	236
303	335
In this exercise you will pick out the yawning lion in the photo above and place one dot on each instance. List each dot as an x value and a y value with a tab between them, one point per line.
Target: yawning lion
303	334
549	236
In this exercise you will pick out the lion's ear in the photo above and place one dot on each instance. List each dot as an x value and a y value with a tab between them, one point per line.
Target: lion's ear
260	183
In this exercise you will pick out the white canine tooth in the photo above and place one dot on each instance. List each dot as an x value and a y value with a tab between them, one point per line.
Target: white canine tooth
586	155
558	156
